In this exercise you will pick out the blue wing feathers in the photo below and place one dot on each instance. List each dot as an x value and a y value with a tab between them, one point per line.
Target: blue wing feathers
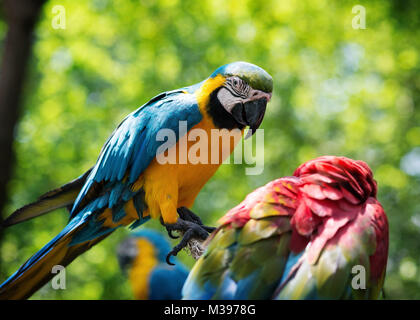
290	263
128	151
133	145
75	223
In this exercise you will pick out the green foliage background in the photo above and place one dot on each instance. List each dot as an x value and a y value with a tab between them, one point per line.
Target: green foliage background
337	91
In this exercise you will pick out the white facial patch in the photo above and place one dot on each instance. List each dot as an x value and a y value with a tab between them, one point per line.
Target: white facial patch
227	99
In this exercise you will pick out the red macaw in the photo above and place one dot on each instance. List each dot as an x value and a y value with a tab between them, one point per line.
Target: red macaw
302	237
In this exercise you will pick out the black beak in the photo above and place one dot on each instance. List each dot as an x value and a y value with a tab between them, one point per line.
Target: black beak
250	114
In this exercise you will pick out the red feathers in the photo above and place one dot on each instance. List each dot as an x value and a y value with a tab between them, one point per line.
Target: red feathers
342	174
329	199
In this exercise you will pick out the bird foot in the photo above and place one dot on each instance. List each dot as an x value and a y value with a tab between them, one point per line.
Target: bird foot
191	226
188	215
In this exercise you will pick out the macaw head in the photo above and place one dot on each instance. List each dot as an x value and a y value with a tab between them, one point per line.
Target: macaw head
239	95
142	258
143	244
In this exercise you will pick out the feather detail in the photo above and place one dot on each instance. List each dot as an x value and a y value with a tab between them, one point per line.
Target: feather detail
54	199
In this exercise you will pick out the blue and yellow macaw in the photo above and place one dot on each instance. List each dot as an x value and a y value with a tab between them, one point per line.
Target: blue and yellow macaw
128	185
320	234
142	256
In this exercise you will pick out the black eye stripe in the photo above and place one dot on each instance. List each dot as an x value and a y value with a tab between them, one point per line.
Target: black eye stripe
237	87
235	93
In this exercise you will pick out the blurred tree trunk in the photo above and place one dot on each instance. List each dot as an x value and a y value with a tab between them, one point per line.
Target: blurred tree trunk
21	17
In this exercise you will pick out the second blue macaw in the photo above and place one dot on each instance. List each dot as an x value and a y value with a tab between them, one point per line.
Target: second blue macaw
128	184
142	258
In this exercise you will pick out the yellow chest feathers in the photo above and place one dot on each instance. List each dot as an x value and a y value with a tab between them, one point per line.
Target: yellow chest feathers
175	177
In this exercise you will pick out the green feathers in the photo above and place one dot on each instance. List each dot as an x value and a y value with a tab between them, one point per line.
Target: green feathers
258	250
255	76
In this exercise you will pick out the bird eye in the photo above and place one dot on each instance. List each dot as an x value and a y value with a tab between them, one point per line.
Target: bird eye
236	83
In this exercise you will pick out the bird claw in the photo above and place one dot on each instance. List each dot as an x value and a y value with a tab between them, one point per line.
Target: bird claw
169	230
171	235
191	229
186	214
209	229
